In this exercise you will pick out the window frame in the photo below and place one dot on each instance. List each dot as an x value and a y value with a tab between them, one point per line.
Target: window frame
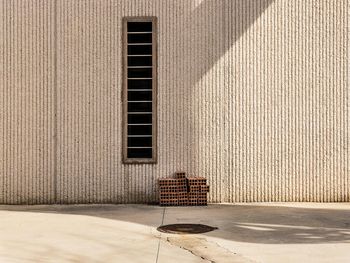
125	21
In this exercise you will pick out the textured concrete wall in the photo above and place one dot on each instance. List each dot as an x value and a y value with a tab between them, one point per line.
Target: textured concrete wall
26	101
252	94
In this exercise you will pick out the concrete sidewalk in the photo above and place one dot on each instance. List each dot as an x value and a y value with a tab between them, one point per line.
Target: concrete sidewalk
288	232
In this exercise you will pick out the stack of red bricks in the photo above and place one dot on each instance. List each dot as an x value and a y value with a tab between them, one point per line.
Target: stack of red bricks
198	190
180	191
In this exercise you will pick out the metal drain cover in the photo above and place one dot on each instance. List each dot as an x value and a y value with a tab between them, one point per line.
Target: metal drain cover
185	229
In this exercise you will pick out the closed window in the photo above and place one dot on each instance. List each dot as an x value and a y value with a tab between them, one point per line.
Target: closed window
139	89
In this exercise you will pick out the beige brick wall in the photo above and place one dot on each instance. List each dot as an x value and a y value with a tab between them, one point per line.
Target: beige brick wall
252	94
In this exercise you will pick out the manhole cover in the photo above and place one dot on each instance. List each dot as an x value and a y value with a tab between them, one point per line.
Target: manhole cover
185	229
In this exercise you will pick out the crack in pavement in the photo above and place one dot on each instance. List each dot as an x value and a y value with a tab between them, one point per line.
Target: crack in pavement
207	250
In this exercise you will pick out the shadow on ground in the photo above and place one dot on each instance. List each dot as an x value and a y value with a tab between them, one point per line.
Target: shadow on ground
240	223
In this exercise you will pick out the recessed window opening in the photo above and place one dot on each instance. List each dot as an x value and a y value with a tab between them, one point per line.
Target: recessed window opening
139	89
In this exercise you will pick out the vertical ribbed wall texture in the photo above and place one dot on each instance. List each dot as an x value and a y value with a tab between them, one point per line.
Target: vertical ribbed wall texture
26	101
252	94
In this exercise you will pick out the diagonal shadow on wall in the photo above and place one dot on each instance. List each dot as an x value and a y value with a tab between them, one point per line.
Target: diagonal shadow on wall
203	34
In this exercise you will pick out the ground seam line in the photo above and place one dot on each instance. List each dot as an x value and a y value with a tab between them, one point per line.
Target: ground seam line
160	236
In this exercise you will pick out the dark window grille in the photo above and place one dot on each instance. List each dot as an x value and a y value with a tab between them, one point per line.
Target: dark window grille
139	90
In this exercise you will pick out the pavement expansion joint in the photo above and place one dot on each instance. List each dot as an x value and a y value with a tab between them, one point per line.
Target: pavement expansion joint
160	236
